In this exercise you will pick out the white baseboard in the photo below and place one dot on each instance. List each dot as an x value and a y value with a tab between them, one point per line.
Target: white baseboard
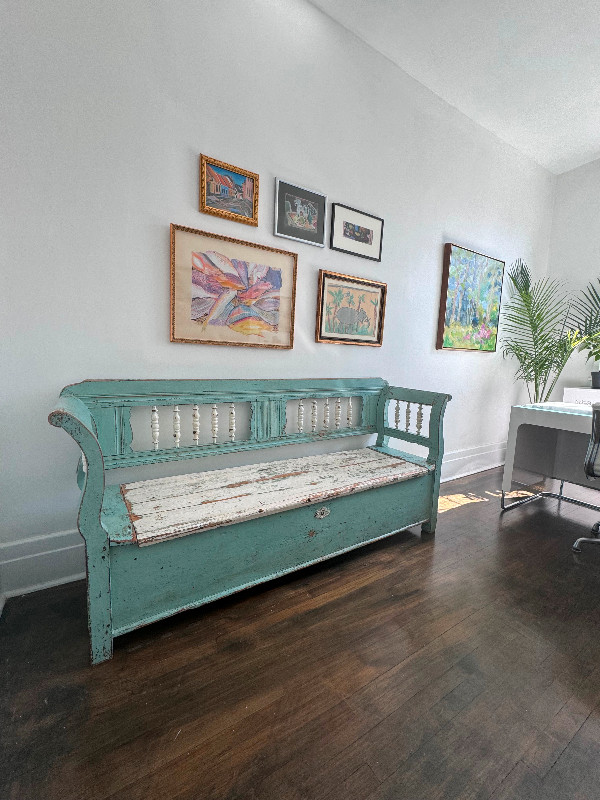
459	463
44	561
40	562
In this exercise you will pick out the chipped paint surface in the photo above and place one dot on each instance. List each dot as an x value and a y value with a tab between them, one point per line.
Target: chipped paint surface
166	508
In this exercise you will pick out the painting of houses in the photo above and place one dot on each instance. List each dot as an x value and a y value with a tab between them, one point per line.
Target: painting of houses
228	191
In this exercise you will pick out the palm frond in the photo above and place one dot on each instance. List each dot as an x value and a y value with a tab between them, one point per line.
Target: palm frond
538	330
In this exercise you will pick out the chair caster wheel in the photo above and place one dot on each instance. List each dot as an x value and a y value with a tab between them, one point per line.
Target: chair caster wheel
596	529
576	549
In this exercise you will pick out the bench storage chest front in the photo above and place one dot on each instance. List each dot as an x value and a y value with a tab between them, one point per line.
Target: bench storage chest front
158	546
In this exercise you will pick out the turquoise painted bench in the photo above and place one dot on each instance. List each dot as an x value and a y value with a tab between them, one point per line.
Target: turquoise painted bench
161	545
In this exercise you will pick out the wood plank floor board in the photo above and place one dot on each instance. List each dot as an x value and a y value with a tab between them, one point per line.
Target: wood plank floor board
465	665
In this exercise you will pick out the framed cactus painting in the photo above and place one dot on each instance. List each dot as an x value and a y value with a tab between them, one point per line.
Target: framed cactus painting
226	291
350	310
469	301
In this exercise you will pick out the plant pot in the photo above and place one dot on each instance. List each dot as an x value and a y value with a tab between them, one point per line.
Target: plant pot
596	380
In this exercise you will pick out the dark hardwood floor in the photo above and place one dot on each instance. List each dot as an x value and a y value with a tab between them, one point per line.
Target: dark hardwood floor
461	666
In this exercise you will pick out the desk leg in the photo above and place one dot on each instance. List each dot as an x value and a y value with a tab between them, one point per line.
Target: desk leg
523	500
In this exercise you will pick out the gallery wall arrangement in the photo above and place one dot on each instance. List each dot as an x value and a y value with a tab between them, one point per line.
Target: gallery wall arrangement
227	291
230	292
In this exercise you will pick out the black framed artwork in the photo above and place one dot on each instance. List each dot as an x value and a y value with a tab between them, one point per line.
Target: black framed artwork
356	232
300	214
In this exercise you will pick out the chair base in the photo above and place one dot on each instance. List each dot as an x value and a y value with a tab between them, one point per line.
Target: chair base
588	540
556	495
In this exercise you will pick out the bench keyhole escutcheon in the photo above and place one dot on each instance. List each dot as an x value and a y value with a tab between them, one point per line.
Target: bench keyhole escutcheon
322	513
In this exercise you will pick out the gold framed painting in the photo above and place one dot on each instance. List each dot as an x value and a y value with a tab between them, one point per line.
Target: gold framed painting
228	191
350	310
230	292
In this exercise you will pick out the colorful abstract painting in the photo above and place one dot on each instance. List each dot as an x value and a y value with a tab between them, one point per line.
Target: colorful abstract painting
350	310
470	300
241	295
226	291
358	233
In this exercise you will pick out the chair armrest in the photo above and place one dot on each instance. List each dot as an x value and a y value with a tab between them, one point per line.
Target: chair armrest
73	415
433	439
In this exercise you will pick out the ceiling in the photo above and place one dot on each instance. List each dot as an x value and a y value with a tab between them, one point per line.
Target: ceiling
528	71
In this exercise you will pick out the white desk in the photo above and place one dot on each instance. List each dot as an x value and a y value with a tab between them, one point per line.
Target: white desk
549	439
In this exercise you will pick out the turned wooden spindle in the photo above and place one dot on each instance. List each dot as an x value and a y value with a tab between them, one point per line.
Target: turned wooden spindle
195	424
232	422
176	425
155	427
214	423
419	418
313	416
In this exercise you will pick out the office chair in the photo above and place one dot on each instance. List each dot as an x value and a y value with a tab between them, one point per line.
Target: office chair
592	470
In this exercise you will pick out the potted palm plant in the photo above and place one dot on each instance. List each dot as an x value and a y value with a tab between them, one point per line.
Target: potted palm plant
587	312
540	330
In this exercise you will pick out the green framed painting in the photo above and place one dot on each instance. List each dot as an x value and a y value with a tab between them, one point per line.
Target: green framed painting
469	300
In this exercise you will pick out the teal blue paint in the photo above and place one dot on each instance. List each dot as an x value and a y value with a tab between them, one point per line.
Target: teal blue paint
130	586
183	573
73	416
268	419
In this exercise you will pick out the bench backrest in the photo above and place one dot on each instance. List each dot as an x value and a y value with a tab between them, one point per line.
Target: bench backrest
194	418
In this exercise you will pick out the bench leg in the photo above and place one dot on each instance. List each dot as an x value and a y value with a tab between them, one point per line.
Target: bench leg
429	525
98	597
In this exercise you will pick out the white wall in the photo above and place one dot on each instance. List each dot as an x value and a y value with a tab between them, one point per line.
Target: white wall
575	248
106	108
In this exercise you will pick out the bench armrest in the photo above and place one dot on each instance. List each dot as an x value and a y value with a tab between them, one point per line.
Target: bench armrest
433	439
73	415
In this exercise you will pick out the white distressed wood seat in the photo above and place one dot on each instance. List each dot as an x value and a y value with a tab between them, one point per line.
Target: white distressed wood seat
168	508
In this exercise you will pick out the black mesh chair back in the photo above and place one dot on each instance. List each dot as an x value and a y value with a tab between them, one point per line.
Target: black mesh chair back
592	470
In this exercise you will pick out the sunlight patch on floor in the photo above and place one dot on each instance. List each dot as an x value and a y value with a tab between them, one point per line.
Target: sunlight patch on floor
456	500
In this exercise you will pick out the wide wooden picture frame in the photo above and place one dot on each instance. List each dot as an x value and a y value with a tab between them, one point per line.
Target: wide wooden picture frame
470	299
229	292
356	232
350	310
300	214
228	191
